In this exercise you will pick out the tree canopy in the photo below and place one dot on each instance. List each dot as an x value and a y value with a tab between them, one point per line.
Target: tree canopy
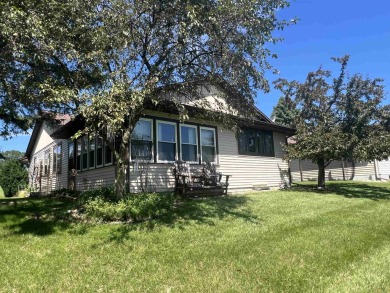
340	118
105	58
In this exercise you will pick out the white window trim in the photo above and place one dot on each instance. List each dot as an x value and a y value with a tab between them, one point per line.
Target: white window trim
152	140
97	137
196	140
215	143
157	140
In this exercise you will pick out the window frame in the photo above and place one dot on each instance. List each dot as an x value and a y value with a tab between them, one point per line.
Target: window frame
197	140
152	139
77	149
157	140
257	152
215	143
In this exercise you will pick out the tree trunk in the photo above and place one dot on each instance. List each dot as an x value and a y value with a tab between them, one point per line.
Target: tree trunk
321	174
120	175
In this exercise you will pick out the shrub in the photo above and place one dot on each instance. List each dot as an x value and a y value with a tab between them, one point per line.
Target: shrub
134	207
64	192
13	177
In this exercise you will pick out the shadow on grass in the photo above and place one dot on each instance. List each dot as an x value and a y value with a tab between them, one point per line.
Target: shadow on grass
40	217
349	189
203	211
47	216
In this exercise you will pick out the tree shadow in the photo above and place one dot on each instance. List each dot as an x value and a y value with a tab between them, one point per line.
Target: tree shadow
36	217
195	211
349	189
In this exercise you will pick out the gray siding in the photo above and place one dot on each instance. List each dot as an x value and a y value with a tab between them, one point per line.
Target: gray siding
357	171
383	169
247	170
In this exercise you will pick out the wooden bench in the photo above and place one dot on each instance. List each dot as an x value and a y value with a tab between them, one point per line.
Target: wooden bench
205	180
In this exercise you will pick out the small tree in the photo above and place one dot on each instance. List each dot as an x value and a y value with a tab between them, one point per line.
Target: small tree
13	176
339	119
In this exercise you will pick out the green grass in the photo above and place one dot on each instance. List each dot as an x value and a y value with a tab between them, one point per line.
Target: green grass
300	240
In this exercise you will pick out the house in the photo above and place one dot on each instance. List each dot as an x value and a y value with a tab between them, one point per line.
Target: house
253	157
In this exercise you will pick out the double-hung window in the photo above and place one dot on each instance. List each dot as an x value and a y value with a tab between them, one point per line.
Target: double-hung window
84	152
46	163
57	158
71	155
92	144
99	151
166	142
208	144
189	145
108	155
141	140
78	154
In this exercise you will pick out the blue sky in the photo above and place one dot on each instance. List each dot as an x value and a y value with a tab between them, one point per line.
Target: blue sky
327	28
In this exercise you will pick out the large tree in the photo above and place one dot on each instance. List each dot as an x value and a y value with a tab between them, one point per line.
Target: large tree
107	59
285	112
340	118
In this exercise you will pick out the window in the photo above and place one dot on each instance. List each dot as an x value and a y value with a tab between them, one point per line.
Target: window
207	143
46	163
57	158
84	152
166	138
141	140
189	145
78	158
256	142
107	155
99	151
71	156
91	153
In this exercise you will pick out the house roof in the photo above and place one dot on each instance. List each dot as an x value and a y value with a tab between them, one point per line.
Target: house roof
60	119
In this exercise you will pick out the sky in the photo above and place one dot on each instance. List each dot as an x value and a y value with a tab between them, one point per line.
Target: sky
327	28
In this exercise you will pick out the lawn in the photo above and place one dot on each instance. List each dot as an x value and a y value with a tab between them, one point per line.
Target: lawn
298	240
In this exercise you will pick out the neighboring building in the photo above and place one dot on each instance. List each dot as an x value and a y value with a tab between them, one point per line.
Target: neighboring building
254	157
305	170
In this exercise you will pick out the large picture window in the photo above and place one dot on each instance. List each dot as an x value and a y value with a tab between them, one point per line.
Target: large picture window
256	142
208	144
141	140
189	145
166	138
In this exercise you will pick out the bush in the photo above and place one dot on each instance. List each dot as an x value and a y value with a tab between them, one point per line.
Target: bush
64	192
13	177
133	207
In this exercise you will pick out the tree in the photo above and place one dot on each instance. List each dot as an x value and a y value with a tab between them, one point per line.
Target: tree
107	59
285	112
13	176
11	155
339	119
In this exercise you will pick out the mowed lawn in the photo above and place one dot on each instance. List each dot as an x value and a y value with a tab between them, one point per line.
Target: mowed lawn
277	241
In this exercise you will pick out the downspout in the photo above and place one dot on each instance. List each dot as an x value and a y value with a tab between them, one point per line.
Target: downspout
376	167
